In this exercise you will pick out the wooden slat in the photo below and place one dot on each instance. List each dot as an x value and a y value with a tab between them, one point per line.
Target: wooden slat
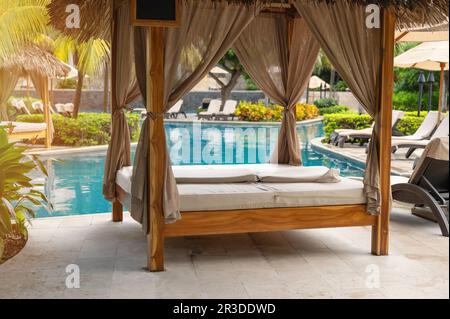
157	158
267	220
381	231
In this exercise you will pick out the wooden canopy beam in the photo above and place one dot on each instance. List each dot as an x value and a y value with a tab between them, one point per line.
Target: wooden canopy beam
381	230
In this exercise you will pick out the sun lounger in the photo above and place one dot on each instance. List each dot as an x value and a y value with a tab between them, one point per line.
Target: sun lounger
441	131
20	107
425	130
64	109
228	110
213	109
19	131
38	107
176	111
340	137
428	187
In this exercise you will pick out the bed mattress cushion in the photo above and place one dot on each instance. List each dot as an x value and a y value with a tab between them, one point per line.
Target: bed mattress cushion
213	174
21	127
235	196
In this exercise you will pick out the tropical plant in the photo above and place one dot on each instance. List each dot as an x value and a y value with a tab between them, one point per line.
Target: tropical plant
20	21
18	193
89	58
88	129
325	102
258	112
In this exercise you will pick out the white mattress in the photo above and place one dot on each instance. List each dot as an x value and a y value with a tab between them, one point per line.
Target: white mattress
211	197
21	127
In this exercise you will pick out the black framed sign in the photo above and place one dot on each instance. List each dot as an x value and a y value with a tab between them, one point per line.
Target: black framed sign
155	13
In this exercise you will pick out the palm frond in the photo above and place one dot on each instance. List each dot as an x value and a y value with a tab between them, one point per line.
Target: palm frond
20	21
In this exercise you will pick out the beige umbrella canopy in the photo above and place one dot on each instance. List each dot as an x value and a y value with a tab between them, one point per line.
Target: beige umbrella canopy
316	83
431	56
425	34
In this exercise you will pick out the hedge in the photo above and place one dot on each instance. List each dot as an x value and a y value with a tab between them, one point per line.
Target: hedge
88	130
338	109
258	112
408	125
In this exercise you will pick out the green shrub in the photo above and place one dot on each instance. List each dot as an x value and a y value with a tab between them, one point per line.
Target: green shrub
334	110
352	121
67	84
408	125
341	86
326	102
258	112
88	130
407	101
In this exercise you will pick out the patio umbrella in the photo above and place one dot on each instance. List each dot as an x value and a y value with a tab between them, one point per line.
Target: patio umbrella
428	34
317	82
430	56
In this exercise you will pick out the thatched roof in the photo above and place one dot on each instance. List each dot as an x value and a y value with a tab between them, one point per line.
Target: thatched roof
96	14
34	59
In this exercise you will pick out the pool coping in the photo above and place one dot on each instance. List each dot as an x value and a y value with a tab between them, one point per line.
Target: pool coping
103	148
317	144
190	120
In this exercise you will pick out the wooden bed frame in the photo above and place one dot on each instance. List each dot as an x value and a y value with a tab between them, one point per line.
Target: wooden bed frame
258	220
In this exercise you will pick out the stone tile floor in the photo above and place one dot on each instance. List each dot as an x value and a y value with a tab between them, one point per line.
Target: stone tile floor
331	263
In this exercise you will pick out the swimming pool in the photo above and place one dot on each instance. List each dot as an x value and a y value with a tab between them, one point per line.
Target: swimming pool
74	185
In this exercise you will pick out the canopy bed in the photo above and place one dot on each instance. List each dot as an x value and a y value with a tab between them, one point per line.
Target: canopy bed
277	42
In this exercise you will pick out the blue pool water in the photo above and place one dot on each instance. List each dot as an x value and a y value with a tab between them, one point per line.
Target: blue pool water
75	182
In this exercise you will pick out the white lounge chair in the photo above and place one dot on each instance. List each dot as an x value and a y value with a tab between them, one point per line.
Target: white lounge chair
425	130
441	131
64	109
20	107
228	110
342	136
176	110
38	107
69	108
213	109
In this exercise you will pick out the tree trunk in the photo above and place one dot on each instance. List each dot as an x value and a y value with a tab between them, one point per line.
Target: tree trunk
79	90
227	89
332	82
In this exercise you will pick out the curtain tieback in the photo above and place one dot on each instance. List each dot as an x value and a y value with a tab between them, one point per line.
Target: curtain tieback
153	115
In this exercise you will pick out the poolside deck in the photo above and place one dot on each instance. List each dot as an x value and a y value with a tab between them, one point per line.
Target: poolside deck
332	263
400	164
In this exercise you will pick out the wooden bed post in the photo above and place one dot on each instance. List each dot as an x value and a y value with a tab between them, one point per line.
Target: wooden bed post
117	207
380	240
158	152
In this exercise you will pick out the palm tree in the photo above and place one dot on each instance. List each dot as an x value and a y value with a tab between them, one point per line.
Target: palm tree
20	21
89	58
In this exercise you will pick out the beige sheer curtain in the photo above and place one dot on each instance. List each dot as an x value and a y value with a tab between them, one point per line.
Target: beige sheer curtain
355	51
41	85
282	68
126	91
208	29
8	81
